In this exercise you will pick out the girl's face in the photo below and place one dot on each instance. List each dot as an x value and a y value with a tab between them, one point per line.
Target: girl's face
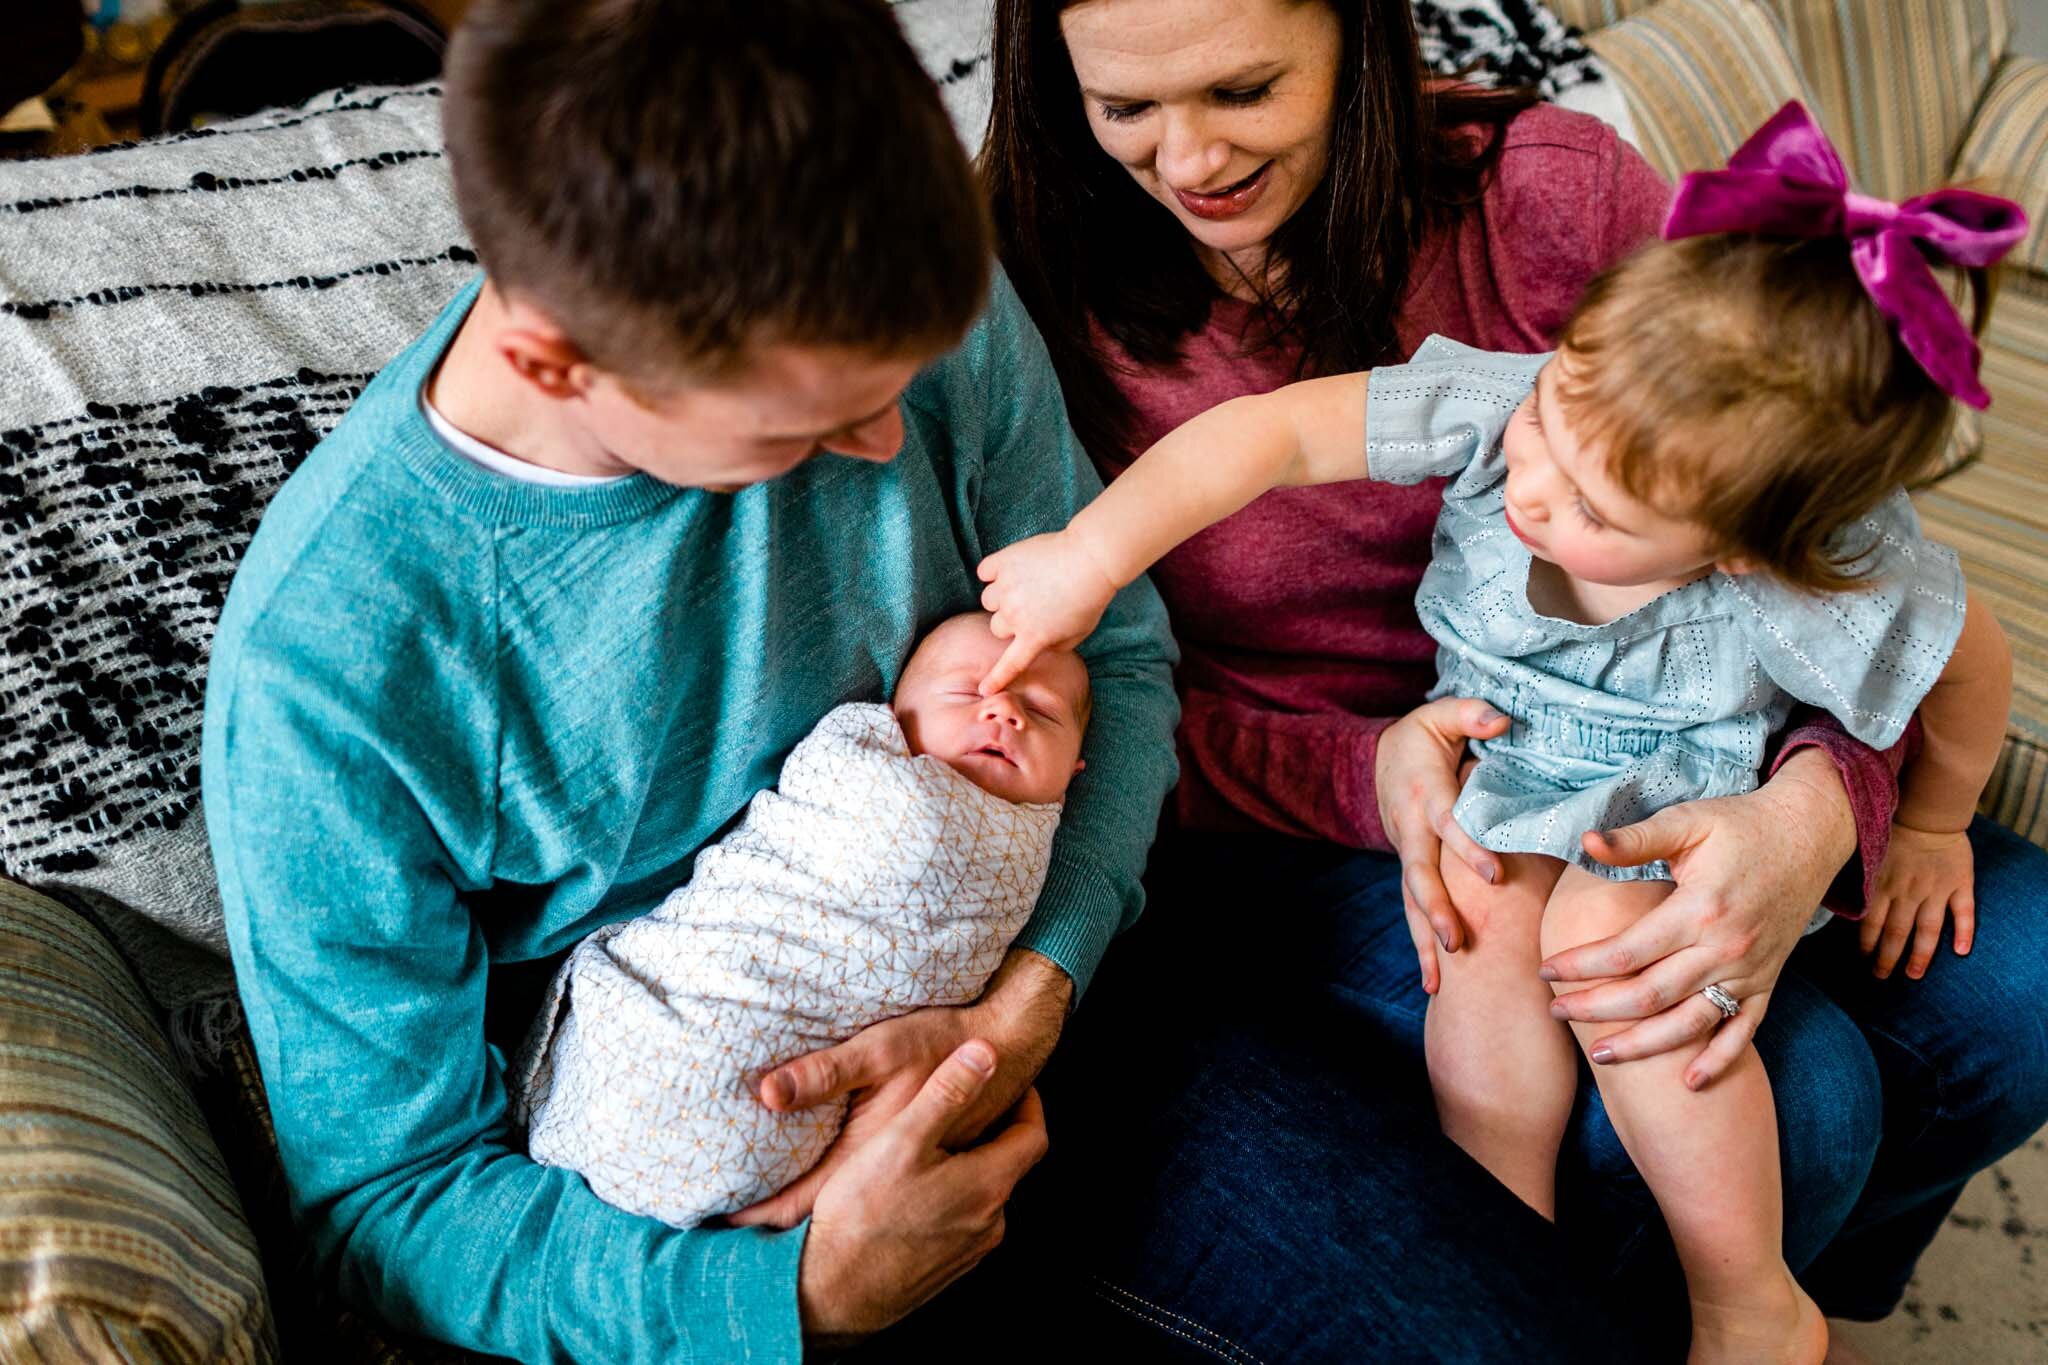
1564	507
1220	109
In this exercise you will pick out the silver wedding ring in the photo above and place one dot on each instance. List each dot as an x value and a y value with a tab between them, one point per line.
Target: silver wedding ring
1722	1001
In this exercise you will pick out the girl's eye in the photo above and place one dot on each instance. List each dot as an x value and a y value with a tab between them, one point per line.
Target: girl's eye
1122	113
1251	96
1586	514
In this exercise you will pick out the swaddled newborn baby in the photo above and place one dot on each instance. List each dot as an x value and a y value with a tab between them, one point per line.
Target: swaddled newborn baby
902	851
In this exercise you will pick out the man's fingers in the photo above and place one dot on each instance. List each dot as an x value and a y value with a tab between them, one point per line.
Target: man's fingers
1653	990
1688	1021
946	1094
1015	660
1726	1046
1664	835
1649	939
1898	926
1021	1144
816	1077
788	1207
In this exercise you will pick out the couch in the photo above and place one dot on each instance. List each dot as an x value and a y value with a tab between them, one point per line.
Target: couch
182	321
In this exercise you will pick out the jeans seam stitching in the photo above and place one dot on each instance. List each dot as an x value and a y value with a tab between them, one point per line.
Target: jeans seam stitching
1226	1350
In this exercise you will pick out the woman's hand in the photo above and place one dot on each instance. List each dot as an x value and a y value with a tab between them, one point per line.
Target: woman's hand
1750	870
1047	592
884	1066
1925	877
1415	779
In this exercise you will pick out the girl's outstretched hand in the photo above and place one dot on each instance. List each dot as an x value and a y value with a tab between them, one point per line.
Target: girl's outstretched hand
1925	878
1044	593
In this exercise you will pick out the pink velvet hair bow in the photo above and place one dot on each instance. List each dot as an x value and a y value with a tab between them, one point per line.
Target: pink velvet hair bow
1788	181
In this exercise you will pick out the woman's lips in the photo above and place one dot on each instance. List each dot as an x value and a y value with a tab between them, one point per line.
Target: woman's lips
1231	200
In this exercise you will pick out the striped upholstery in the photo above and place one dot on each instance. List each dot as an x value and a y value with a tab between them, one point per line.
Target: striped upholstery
120	1234
1592	14
1897	80
1699	77
2007	150
1996	515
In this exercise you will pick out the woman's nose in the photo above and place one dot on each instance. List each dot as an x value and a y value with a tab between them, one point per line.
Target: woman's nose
1188	158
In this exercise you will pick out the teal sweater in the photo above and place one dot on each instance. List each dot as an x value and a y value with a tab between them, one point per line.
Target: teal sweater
455	721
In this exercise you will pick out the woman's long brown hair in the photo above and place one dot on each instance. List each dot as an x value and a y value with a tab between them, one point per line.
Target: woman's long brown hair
1080	239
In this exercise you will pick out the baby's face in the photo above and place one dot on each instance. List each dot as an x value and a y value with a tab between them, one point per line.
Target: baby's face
1023	743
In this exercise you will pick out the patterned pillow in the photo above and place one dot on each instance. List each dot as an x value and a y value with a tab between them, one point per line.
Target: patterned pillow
123	1238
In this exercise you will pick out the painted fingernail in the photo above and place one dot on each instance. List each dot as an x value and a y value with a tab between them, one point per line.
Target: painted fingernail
1492	871
1558	1011
1546	973
1489	716
1445	939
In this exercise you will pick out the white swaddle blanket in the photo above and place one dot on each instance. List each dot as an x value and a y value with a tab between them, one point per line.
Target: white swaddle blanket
868	884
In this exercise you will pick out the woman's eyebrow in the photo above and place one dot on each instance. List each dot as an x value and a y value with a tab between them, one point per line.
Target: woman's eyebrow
1256	74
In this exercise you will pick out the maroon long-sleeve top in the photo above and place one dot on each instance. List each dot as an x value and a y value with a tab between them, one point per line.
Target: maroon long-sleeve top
1296	616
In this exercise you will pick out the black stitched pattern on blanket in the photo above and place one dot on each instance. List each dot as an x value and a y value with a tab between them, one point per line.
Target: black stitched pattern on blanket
1510	42
123	525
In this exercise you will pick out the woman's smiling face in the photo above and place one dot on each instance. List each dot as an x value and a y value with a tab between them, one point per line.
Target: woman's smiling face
1220	109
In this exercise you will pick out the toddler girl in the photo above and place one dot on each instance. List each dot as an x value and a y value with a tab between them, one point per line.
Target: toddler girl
1655	541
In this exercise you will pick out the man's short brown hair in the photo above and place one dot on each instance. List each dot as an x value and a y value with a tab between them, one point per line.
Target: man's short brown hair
1750	385
673	183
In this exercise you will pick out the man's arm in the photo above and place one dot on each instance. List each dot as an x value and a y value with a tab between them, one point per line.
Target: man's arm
363	976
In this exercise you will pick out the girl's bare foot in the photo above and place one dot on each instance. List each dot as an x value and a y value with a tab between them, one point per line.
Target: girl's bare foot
1779	1326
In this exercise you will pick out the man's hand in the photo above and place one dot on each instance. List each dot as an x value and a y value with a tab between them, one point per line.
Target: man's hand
1925	877
883	1068
904	1217
1047	592
1750	869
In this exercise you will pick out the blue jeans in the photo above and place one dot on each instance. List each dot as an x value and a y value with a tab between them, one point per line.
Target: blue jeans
1246	1165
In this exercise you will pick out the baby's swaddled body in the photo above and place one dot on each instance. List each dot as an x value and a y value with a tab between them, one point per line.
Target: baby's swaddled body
870	883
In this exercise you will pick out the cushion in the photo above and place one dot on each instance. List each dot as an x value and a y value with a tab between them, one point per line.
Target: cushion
2007	152
182	321
1896	80
1994	515
1589	15
120	1233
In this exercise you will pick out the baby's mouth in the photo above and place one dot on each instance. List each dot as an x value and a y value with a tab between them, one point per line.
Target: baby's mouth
997	751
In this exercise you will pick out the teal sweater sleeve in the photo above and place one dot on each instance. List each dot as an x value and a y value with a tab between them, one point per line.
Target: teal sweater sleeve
363	974
1035	478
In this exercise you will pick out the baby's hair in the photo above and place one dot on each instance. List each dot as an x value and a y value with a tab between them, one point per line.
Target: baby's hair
1750	385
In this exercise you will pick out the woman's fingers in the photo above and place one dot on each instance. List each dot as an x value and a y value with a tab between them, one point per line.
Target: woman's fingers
1425	886
1726	1046
1425	942
1688	1021
1653	990
1664	835
1650	939
1465	848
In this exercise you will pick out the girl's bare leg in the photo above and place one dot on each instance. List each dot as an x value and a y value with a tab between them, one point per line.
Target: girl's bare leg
1502	1069
1710	1157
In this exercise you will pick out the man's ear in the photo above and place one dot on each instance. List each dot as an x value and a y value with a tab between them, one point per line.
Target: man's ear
546	359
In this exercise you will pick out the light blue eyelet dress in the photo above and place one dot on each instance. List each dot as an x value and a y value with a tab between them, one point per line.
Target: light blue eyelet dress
1674	701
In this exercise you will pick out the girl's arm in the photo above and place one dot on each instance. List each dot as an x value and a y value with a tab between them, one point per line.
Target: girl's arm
1963	718
1927	874
1050	590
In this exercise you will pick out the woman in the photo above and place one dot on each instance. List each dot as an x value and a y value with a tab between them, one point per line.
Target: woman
1202	198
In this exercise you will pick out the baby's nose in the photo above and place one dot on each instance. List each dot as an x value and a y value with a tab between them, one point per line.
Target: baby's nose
1003	711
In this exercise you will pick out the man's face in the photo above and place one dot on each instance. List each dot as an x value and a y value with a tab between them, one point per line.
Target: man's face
1023	743
783	405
